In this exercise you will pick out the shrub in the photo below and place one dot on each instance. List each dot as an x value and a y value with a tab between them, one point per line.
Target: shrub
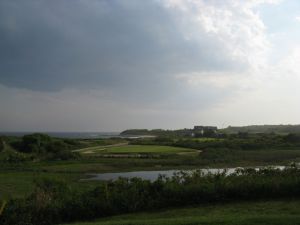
54	202
1	144
15	157
36	143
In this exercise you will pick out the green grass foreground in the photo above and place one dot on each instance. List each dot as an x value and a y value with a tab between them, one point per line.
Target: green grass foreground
284	212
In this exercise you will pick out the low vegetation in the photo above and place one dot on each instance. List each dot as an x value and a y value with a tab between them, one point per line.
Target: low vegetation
38	146
54	202
240	141
29	165
253	129
133	150
1	144
280	129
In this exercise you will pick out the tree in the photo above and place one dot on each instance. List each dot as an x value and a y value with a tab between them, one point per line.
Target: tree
35	142
1	144
209	133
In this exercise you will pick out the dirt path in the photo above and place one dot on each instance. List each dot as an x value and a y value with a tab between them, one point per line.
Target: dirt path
115	145
91	150
190	153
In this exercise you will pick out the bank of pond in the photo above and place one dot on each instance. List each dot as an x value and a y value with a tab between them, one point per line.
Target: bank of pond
155	174
55	202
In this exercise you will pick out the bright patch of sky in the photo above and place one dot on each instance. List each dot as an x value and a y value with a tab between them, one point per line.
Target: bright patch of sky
282	26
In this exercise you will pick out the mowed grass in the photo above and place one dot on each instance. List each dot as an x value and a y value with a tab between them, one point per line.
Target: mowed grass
135	149
147	149
97	148
247	213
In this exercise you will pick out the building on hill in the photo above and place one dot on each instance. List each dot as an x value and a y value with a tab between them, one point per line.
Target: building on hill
204	129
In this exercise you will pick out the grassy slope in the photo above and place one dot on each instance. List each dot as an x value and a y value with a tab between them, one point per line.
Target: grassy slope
253	213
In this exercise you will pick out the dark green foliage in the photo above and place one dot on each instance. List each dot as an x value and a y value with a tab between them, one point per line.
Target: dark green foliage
42	207
36	143
292	138
243	134
53	202
240	141
15	157
43	147
209	133
1	144
264	129
56	146
58	150
46	147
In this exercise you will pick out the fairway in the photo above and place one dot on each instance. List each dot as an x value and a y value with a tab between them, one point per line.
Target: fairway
147	149
134	149
253	213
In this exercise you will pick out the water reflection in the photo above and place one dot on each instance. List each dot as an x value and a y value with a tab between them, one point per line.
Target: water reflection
153	175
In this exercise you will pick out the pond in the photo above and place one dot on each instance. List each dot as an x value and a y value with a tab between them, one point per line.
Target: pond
153	175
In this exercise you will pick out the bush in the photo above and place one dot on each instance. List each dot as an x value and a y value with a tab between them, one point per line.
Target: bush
36	143
46	147
15	157
53	202
1	144
63	155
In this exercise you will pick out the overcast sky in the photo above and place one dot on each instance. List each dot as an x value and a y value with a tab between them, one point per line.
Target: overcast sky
109	65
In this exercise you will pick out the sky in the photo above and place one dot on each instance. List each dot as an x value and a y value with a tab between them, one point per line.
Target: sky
111	65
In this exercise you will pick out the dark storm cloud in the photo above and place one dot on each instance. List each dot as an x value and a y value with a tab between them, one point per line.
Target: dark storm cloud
129	47
75	65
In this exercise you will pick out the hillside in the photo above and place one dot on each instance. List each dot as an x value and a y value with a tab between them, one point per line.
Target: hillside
263	129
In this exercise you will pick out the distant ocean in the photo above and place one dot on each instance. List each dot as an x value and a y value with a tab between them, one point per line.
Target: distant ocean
88	135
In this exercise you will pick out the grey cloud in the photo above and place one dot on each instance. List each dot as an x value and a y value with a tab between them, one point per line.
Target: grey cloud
115	64
133	48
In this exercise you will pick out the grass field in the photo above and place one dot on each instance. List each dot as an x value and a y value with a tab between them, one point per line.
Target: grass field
18	179
147	149
285	212
98	148
134	149
20	184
